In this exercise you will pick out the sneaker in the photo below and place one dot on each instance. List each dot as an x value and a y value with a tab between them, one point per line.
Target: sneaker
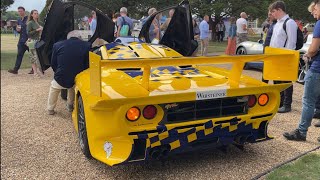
284	109
70	107
31	71
317	124
51	112
316	115
12	71
294	136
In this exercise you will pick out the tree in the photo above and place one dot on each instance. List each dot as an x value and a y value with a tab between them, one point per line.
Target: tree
10	15
5	4
45	10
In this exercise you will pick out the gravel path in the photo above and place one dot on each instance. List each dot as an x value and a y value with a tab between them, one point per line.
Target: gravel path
35	145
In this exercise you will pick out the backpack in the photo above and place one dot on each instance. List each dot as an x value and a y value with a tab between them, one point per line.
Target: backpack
124	31
300	39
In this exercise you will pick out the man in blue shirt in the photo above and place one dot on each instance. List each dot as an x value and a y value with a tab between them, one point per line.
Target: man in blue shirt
311	85
204	35
69	58
22	48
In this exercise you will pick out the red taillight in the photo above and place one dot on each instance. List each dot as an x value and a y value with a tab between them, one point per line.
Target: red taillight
149	112
252	101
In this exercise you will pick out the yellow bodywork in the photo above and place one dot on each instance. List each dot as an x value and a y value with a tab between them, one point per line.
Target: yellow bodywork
108	92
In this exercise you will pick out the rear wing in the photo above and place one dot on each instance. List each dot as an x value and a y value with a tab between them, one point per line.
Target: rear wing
279	64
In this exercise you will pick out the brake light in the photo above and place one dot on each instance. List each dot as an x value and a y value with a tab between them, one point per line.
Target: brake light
133	114
263	99
252	101
149	112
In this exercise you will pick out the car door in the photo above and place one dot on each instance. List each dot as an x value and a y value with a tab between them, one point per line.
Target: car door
178	34
64	17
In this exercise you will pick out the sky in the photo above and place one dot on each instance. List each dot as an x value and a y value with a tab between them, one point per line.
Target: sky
28	5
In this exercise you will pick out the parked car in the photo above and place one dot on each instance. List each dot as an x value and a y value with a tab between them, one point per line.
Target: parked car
309	26
140	101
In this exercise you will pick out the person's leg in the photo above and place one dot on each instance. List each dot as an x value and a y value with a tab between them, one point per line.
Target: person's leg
245	37
281	93
221	36
241	38
21	50
316	114
206	43
311	93
202	47
70	99
288	96
317	111
55	89
33	59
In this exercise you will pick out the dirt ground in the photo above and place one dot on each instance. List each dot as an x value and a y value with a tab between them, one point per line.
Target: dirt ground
35	145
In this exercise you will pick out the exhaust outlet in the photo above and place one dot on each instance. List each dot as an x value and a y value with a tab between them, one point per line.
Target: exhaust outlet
165	150
155	153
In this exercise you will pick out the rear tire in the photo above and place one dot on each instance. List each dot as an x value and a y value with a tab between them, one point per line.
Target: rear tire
82	129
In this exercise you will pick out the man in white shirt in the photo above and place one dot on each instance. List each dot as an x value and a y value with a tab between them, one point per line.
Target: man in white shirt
283	39
242	31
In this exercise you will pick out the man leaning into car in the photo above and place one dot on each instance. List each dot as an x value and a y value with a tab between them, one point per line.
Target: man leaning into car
69	58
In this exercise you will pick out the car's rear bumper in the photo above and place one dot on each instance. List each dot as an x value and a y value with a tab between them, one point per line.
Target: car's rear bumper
166	140
157	145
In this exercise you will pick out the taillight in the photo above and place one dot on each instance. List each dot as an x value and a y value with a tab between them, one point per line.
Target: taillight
149	112
133	114
252	101
263	99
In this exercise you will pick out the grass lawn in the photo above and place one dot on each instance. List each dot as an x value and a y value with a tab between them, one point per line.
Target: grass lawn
307	167
9	52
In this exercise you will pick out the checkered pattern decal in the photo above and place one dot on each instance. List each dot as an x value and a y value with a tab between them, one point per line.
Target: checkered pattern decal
179	138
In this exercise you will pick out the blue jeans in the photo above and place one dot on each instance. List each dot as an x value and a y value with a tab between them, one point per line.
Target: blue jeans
310	97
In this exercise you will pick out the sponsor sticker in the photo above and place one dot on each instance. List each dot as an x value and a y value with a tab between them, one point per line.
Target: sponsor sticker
212	94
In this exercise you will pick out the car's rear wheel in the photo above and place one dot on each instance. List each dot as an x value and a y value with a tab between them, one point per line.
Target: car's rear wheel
82	129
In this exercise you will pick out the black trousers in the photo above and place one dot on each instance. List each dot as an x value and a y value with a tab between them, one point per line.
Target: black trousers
286	95
22	48
220	36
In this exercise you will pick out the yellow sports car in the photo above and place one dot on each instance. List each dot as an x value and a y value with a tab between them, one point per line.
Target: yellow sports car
144	98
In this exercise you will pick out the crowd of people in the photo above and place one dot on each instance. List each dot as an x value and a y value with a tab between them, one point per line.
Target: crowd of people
281	32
